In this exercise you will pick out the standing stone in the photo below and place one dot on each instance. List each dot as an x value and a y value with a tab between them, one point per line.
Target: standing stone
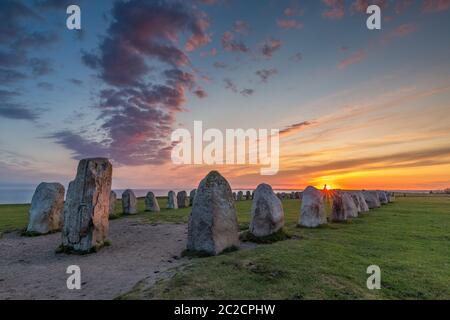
292	195
391	197
151	203
86	209
382	197
312	213
253	194
283	195
171	200
343	207
247	195
112	203
267	212
372	199
182	199
234	196
129	202
240	195
297	195
192	196
45	214
213	225
360	202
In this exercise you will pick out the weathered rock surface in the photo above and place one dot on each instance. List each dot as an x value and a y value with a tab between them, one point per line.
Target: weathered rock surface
47	205
312	213
382	197
360	202
182	199
86	210
240	196
112	203
248	195
172	200
151	203
192	197
129	202
213	225
343	207
372	199
267	212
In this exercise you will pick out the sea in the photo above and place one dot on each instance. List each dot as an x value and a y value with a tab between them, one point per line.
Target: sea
24	195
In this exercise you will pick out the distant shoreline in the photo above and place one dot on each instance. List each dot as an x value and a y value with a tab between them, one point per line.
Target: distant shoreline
23	196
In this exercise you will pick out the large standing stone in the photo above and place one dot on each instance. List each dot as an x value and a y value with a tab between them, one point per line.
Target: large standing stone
372	199
112	203
240	195
343	207
171	200
382	197
312	213
182	199
151	203
234	196
192	196
267	212
45	214
391	197
248	195
86	209
129	202
360	202
213	225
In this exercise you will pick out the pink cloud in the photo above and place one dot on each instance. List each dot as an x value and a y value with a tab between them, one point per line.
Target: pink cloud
335	9
356	57
403	30
289	24
360	6
435	5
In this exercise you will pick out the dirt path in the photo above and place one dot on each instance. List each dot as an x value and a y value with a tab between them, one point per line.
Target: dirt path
30	269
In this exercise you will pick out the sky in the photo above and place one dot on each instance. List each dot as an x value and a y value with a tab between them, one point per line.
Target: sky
356	108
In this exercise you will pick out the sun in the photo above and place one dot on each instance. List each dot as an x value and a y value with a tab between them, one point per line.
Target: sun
327	187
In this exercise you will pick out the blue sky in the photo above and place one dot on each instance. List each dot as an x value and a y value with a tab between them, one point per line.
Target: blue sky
250	64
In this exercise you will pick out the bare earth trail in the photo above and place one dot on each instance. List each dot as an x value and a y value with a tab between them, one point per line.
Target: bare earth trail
30	268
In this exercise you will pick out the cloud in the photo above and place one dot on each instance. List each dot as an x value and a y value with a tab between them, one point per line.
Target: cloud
241	27
360	6
265	74
403	30
335	9
200	93
430	6
17	112
55	4
210	53
76	82
289	24
220	65
295	128
269	47
45	86
229	44
40	67
293	11
356	57
137	116
247	92
296	57
230	85
8	76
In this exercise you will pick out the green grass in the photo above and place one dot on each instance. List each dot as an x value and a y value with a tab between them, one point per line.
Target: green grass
409	240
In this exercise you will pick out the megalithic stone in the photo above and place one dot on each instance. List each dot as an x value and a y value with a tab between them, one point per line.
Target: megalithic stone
47	205
312	212
171	200
129	202
192	196
267	212
112	203
151	203
182	199
86	209
213	225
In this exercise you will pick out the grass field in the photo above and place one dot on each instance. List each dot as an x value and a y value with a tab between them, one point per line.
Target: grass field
409	240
